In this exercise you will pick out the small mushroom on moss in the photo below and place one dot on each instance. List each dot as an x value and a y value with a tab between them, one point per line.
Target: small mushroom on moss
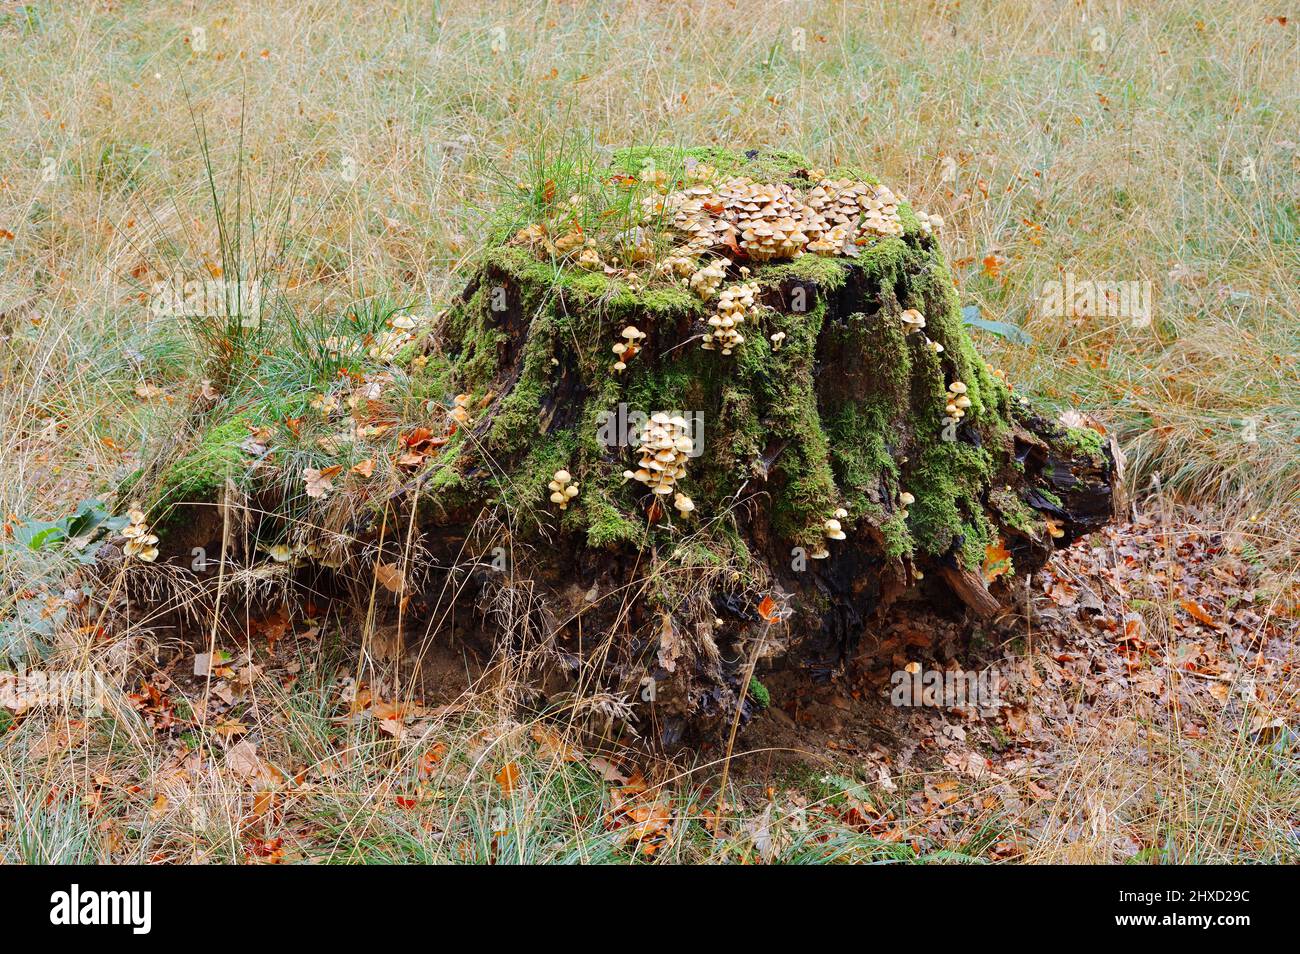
934	346
929	223
833	530
628	347
905	500
734	305
460	409
777	339
708	279
683	504
562	488
819	552
913	320
956	401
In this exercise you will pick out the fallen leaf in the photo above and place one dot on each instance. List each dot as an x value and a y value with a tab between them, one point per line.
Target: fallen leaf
508	777
1197	612
997	560
390	577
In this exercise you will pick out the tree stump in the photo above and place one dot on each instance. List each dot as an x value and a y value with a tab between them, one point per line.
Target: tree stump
827	450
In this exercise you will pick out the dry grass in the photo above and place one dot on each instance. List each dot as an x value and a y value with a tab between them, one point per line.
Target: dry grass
378	137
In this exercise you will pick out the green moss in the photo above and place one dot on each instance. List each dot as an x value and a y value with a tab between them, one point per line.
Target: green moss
1015	512
897	538
765	166
607	526
947	484
1050	497
1085	442
828	273
759	693
200	474
806	493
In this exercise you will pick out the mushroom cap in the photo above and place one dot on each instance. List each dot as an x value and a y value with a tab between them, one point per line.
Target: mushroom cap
557	497
562	476
906	499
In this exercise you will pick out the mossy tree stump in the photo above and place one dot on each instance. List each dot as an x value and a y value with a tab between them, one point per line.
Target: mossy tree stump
832	405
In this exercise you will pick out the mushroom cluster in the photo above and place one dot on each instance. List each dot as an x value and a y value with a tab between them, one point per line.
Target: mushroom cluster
929	223
843	201
408	322
628	347
140	542
905	500
562	488
735	303
772	221
386	345
913	323
957	401
708	279
665	448
832	527
460	409
682	266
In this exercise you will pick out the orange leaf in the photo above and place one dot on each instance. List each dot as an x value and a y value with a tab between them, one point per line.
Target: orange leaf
997	560
769	610
508	777
365	468
390	577
431	757
1197	612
